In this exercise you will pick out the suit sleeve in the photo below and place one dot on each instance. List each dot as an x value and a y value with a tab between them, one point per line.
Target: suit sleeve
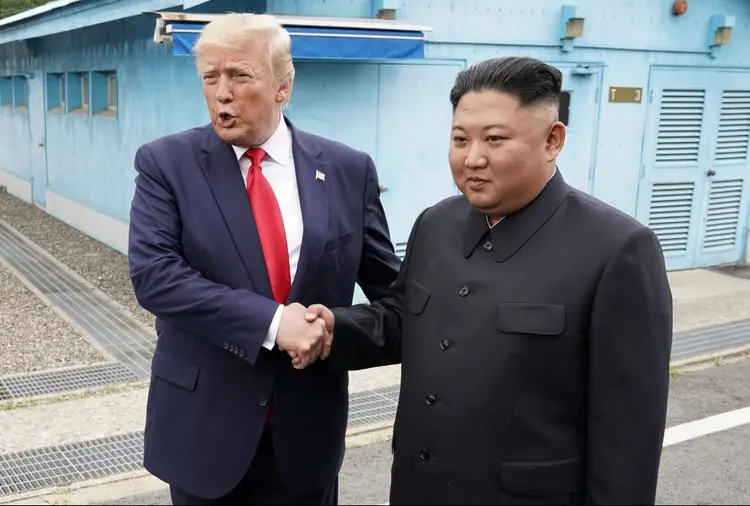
168	287
369	335
379	265
630	347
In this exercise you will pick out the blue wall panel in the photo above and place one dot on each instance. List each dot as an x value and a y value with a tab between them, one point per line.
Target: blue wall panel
354	118
398	114
14	142
338	8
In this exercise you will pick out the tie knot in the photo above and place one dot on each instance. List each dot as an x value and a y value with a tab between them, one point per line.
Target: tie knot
255	155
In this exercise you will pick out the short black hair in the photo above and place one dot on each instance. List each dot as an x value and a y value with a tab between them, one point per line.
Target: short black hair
530	80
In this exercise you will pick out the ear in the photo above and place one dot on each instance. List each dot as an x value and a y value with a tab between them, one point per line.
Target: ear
284	92
555	140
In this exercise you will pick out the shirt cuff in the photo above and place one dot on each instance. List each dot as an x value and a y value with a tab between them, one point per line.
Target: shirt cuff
273	329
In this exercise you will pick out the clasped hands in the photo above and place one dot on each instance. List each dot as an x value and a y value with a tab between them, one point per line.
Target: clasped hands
305	334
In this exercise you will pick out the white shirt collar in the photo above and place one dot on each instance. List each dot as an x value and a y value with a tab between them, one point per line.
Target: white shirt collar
278	146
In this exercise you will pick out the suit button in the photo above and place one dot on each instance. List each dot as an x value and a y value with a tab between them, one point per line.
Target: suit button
236	350
242	353
430	399
487	246
445	344
226	346
262	401
424	455
463	291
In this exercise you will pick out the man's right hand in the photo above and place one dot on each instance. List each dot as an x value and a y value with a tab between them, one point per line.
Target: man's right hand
319	313
303	340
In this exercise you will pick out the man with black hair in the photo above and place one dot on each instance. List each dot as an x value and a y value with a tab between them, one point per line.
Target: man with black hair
533	323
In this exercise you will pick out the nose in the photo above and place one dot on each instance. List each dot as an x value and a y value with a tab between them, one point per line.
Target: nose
223	90
475	158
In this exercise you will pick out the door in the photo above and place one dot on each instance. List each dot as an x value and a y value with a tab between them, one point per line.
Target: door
578	110
37	123
693	191
413	136
400	114
722	223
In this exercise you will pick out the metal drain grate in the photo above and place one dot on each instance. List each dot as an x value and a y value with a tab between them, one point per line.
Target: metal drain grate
52	382
4	394
118	333
61	465
711	340
373	406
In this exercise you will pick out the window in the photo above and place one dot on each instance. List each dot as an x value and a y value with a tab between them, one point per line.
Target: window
77	91
565	107
56	96
6	92
20	92
104	93
112	92
85	91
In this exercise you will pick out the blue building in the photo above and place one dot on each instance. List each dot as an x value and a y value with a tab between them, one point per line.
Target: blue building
657	100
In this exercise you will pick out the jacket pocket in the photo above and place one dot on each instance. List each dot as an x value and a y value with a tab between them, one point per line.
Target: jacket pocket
529	318
174	371
341	240
415	297
542	478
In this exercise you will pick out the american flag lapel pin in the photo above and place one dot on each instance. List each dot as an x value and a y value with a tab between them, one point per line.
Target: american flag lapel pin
319	176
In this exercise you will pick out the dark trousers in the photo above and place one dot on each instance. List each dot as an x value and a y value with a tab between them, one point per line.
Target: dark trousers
261	485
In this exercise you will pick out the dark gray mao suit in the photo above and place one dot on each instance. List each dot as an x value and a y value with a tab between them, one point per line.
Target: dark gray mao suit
535	356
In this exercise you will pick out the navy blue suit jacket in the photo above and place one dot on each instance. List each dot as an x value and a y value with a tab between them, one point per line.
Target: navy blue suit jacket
197	265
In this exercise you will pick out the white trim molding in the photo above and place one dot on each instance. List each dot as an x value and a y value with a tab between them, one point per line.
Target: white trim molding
17	186
103	228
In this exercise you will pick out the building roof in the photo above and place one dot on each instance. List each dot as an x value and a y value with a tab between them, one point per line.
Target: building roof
36	11
65	15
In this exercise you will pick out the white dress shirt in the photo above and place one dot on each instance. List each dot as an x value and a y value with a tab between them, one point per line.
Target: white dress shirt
278	169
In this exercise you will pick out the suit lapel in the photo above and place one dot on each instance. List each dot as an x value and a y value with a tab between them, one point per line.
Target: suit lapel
314	200
221	168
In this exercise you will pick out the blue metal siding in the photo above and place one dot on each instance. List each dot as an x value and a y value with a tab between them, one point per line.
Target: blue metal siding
403	121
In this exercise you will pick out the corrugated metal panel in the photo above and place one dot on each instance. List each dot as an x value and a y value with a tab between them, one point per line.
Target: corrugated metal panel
680	123
670	214
37	11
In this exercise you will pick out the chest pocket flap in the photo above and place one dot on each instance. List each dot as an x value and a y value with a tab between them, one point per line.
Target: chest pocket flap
530	318
415	297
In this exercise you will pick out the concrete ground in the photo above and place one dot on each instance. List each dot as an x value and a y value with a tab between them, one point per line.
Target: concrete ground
702	298
706	469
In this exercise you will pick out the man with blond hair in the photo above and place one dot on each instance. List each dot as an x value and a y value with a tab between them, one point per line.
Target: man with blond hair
235	228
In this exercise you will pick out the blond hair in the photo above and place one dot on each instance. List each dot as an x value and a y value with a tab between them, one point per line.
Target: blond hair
235	32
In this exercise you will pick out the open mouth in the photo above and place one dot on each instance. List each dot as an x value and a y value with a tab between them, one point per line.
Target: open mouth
226	119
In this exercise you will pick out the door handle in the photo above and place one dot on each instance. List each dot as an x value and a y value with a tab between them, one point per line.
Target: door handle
711	172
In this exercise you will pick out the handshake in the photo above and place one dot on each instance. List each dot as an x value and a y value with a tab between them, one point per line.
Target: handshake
305	334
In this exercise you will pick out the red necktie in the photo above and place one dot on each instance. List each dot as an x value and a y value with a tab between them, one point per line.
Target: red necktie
271	231
270	226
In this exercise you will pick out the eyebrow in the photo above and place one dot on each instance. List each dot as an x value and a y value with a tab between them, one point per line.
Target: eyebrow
230	67
488	127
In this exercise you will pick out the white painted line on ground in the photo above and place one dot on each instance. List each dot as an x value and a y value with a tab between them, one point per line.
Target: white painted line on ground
105	491
703	427
706	426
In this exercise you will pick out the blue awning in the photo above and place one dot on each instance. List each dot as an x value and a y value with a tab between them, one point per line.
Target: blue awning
317	38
